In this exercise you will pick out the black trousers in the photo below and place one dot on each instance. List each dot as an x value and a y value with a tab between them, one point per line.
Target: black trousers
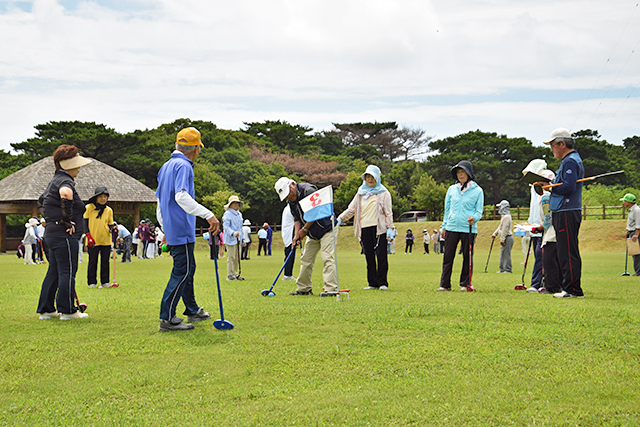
451	239
552	274
375	252
288	268
59	285
126	249
408	245
244	253
103	252
567	226
426	247
262	245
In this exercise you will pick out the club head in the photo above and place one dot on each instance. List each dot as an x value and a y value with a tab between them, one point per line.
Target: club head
520	288
115	284
626	274
266	293
222	324
82	307
470	288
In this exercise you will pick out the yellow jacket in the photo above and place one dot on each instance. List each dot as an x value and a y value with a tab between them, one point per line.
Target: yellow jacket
99	227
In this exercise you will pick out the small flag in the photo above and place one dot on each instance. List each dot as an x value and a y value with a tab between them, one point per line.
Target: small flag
318	205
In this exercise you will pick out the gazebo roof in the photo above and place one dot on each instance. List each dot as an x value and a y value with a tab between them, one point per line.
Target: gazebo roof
29	183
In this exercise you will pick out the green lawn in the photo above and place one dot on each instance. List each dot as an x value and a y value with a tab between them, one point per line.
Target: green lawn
409	356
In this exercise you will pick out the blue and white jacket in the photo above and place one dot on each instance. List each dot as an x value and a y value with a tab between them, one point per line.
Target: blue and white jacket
460	205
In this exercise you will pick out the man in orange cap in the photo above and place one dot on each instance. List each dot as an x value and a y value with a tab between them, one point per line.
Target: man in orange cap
176	213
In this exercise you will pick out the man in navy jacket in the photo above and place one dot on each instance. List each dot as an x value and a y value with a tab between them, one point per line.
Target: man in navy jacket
566	211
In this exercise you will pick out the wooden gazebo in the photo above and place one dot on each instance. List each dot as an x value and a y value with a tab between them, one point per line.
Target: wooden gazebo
19	192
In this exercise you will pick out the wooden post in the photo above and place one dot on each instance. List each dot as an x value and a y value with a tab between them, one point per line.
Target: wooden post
3	232
136	216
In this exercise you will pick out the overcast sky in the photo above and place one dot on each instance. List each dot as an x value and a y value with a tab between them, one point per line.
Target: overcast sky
520	68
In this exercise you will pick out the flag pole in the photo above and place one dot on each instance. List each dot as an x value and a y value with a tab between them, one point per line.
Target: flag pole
335	251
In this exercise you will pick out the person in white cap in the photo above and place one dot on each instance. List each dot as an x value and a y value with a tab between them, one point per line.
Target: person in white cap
29	241
535	218
63	210
506	236
319	239
565	204
246	239
633	226
176	213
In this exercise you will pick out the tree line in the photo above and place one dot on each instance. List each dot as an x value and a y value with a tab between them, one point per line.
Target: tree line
247	162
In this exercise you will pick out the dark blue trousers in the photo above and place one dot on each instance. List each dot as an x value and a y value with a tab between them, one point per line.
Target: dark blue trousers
180	284
59	285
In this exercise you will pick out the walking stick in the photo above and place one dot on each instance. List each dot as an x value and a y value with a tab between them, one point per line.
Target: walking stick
220	323
490	248
470	288
522	287
626	258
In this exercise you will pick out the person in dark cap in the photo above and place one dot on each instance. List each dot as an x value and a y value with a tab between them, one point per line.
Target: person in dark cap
462	210
98	218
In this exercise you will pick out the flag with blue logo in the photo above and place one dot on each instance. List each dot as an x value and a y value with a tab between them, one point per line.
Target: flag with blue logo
318	205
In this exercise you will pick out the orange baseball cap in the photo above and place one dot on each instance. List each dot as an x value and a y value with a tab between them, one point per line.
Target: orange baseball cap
189	136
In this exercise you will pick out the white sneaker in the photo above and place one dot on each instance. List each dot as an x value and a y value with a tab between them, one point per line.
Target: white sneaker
368	288
229	278
288	278
49	316
532	290
104	285
93	285
76	315
383	288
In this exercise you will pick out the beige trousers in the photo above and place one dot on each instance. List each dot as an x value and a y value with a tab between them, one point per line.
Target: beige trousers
232	260
329	273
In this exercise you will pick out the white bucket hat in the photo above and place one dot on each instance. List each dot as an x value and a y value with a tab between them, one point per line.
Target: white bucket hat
231	200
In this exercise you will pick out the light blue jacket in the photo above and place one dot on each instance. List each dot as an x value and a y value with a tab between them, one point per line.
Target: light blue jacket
231	224
459	206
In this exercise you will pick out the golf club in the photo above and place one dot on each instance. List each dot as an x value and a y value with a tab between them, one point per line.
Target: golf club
269	292
42	251
220	323
239	258
470	288
335	255
114	237
522	287
540	188
626	258
490	248
80	306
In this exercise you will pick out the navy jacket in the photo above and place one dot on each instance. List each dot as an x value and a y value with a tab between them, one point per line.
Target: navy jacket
568	196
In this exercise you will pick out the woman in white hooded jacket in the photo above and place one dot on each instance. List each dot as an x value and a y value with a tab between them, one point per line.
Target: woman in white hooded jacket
372	215
29	240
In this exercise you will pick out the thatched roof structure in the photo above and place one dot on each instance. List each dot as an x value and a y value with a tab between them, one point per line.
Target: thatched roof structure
20	191
28	184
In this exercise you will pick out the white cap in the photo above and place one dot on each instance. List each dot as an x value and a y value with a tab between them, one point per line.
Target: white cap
282	187
558	133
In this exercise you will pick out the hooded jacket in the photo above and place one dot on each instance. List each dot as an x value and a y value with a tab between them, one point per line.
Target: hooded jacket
459	205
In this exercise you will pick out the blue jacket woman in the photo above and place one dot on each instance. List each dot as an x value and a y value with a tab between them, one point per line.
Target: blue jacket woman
462	210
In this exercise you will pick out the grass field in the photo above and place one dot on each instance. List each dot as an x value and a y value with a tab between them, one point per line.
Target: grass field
408	356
